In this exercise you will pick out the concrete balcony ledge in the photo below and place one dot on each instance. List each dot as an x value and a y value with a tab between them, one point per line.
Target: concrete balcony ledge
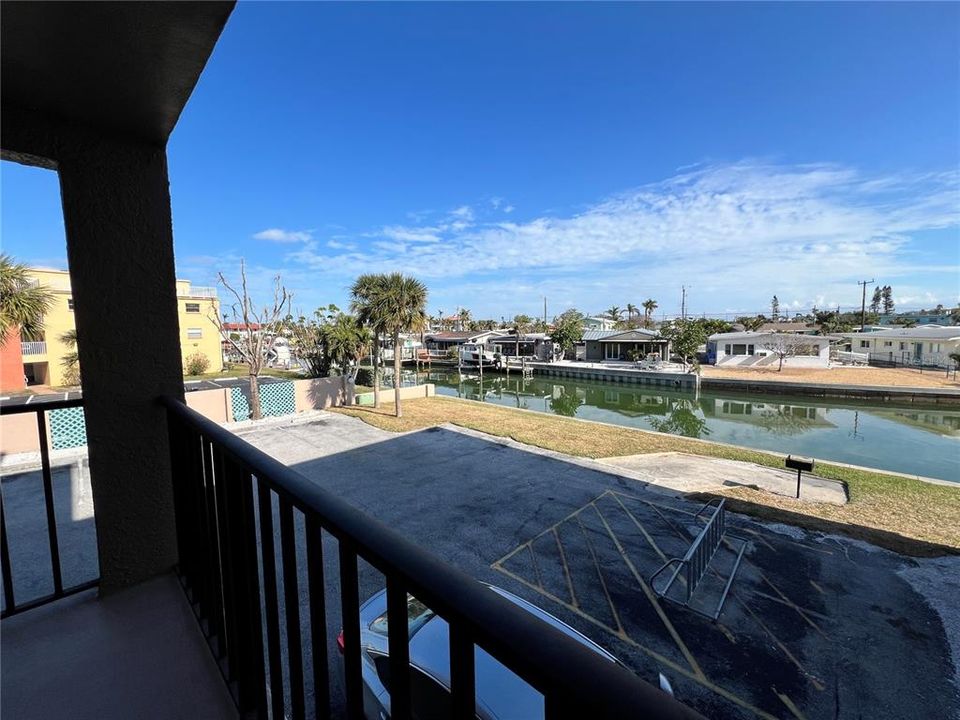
137	653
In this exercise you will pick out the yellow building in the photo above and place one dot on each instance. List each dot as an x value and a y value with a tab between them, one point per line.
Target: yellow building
43	356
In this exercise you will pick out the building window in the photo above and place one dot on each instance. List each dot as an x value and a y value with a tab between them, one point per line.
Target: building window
903	346
70	304
193	307
864	343
194	333
935	347
887	343
738	349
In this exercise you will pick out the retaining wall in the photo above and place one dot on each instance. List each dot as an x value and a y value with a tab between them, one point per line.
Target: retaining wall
678	381
406	393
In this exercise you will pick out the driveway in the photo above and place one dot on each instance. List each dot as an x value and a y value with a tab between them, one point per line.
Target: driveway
815	626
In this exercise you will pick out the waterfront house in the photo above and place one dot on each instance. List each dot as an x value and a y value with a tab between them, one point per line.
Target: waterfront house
598	322
929	345
623	345
536	346
445	340
762	349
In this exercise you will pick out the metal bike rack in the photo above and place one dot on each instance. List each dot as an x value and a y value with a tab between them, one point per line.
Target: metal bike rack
697	559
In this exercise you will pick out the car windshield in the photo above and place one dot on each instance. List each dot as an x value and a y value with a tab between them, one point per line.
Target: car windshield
417	616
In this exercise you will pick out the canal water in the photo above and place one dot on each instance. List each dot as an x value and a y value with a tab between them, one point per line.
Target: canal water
916	440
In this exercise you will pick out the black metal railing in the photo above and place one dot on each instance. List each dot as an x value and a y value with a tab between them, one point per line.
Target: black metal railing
224	492
11	605
696	560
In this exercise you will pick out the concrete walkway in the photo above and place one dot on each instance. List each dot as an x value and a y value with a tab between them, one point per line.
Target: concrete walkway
695	473
137	653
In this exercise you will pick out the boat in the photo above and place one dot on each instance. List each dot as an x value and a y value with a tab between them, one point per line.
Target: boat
472	353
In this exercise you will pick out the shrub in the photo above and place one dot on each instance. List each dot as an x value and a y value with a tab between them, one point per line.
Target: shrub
197	364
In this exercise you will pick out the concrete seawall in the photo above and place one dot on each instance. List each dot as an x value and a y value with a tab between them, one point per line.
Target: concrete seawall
927	396
671	380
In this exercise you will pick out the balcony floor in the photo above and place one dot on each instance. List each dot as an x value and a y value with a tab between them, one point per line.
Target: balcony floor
137	653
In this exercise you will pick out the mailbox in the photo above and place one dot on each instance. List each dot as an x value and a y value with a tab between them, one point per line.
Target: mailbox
799	463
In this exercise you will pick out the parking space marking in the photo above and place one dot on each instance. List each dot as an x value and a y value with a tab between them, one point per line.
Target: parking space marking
560	565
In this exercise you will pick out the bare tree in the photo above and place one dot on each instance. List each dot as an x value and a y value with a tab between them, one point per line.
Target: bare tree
785	345
258	329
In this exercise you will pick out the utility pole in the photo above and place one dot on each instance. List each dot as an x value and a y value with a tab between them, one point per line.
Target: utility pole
544	313
863	303
683	302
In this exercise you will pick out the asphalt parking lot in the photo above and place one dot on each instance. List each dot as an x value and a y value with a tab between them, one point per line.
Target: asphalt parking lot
814	627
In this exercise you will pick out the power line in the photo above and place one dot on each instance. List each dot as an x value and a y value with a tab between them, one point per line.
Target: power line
863	304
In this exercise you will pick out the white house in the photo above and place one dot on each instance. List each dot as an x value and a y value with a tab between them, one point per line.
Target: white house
765	349
598	322
926	344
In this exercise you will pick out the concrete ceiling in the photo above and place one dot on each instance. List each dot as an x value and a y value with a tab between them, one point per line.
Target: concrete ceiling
126	67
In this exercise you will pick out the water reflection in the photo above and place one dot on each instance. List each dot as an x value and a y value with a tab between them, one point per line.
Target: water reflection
923	441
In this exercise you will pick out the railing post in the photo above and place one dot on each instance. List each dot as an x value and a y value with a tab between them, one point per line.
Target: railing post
48	503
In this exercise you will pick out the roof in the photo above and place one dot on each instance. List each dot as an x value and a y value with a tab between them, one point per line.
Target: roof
752	335
451	336
921	332
787	327
125	67
637	335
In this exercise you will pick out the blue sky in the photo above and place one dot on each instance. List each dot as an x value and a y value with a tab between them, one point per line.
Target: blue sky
594	154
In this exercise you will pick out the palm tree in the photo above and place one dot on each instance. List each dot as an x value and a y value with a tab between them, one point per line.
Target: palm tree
363	297
464	319
70	361
346	341
649	306
399	304
614	313
23	302
521	323
631	309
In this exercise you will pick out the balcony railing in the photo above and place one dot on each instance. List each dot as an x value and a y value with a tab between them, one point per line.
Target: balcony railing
33	348
224	492
198	291
11	604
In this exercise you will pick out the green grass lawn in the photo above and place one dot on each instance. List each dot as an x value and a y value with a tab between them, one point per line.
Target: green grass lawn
906	515
238	371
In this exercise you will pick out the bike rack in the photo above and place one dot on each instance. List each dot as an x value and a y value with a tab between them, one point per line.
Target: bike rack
698	556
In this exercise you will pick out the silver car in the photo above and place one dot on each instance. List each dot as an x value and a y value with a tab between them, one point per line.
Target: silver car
501	694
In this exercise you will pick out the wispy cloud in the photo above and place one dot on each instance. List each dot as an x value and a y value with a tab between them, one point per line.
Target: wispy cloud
737	233
284	236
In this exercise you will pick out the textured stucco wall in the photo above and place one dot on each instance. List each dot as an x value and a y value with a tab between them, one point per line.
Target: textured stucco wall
116	207
320	393
212	404
11	363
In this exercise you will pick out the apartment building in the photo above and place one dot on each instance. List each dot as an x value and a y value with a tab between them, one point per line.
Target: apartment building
43	357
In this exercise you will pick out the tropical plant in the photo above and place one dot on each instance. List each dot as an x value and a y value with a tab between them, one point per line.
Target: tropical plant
71	361
614	313
752	323
567	329
631	310
197	364
345	343
363	296
521	325
23	302
775	308
685	337
261	327
463	319
393	304
649	305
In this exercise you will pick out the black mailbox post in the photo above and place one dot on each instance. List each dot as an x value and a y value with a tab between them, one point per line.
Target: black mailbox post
799	464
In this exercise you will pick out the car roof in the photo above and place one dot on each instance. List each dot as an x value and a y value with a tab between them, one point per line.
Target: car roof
501	693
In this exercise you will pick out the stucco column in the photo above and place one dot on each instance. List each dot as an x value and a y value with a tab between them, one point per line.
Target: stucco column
116	208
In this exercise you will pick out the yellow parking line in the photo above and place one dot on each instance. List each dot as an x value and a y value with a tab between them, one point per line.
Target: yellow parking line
651	596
